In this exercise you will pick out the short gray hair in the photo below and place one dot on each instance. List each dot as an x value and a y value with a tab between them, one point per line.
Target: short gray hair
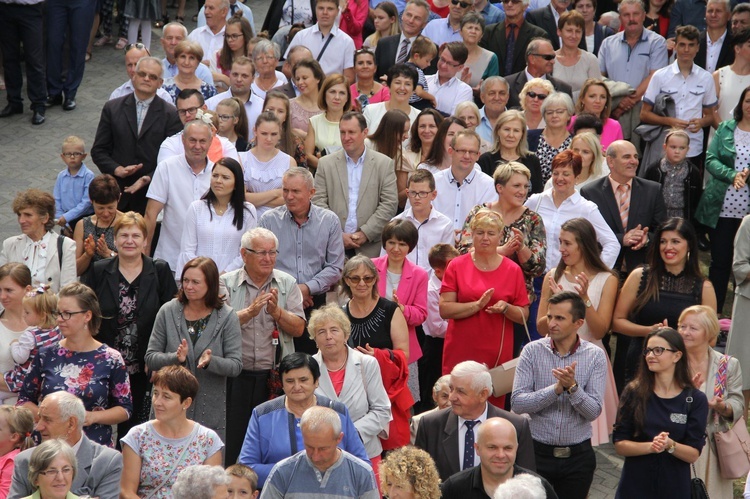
302	173
614	19
224	4
557	99
318	417
264	47
491	80
631	2
175	24
443	381
69	406
43	455
199	481
521	486
533	45
259	233
726	3
150	59
197	122
420	3
479	374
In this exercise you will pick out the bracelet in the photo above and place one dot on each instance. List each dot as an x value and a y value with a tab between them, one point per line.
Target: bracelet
505	309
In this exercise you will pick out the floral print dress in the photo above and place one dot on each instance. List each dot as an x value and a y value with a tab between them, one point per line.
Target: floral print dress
99	378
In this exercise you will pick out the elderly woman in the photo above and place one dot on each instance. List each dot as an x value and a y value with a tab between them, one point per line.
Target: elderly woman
441	391
366	90
351	377
265	441
422	136
81	365
199	330
153	453
469	112
52	468
236	35
93	235
308	76
401	81
573	65
594	98
201	481
593	32
531	97
323	136
557	109
481	63
266	57
719	377
409	473
188	55
50	258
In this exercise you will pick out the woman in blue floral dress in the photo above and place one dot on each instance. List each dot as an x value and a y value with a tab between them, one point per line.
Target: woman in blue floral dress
80	365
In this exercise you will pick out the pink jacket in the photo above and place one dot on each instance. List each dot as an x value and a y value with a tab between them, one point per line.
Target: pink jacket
353	20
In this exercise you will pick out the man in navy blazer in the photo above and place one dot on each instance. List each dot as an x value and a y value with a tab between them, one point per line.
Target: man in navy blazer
413	20
717	29
546	19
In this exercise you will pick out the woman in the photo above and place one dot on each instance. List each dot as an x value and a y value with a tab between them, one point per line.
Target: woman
510	145
350	377
573	65
236	35
593	32
438	158
731	80
531	97
422	136
654	295
15	282
440	397
481	63
582	271
215	223
52	468
389	139
266	443
593	166
385	20
197	329
289	143
81	365
188	55
266	56
699	328
366	90
660	423
595	99
265	165
323	136
483	294
555	138
737	345
409	473
401	81
657	16
469	112
352	17
50	258
94	236
201	481
233	124
308	76
131	288
725	199
153	453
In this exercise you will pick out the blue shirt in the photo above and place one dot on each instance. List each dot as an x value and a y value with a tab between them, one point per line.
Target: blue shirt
621	63
354	173
72	194
440	32
484	128
202	72
493	14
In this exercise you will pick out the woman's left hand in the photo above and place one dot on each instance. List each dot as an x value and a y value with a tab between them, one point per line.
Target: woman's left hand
367	350
661	442
205	359
400	305
582	285
719	405
101	247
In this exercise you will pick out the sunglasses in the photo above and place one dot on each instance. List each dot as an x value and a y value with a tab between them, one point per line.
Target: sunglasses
464	5
355	279
546	57
138	46
534	95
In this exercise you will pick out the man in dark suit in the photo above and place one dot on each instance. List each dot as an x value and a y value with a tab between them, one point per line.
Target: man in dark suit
540	59
127	147
717	31
395	49
495	38
448	435
546	19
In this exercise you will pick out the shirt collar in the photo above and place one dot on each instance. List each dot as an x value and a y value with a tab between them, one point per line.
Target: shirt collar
81	171
359	162
409	214
676	68
482	417
529	77
644	36
309	215
720	40
615	183
469	178
334	29
246	279
147	102
572	350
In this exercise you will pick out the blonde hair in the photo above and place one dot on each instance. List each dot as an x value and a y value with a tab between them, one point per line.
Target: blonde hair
511	115
591	140
74	140
676	132
413	466
329	313
504	171
534	82
21	422
486	218
707	318
43	302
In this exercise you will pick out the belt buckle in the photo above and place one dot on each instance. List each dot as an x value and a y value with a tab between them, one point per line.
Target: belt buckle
561	452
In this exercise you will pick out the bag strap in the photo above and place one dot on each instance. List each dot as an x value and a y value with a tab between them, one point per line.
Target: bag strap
60	250
176	465
292	433
720	383
325	46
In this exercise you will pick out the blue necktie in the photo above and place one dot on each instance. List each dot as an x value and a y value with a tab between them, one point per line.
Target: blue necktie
469	445
509	47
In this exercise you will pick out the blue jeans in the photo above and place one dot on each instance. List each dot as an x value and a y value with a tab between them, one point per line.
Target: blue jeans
23	24
71	19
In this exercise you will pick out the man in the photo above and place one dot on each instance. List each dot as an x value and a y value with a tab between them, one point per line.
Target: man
211	36
716	45
547	17
313	240
132	55
687	13
494	94
491	12
240	82
617	63
129	134
448	434
332	48
189	101
447	30
234	6
21	22
322	469
265	300
496	446
359	185
540	59
177	182
446	85
740	17
395	49
61	415
172	34
508	39
294	55
560	382
692	89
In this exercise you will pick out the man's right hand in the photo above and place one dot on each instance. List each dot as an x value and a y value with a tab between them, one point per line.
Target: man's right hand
126	171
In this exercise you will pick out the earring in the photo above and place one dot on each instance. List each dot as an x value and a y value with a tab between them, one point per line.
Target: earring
688	256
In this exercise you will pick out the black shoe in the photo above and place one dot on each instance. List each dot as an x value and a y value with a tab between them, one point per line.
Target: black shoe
38	117
69	104
703	243
11	109
54	100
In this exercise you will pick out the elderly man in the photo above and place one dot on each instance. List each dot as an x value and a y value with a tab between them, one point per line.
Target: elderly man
313	240
547	17
447	30
172	34
446	85
494	94
715	50
540	59
61	415
395	49
132	55
234	6
322	469
269	306
211	36
240	85
129	134
359	185
496	446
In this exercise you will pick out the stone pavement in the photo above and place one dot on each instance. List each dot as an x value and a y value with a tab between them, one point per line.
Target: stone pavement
30	157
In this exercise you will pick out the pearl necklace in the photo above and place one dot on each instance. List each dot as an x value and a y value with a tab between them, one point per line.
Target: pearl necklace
341	367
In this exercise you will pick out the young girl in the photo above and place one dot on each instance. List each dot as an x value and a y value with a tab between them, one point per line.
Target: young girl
386	24
38	307
244	482
233	122
388	139
16	425
141	14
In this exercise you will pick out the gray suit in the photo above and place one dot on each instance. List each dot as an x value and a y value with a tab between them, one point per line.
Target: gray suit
378	198
98	475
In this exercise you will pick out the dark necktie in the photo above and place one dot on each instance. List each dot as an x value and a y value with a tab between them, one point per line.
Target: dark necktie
403	52
469	445
509	46
233	8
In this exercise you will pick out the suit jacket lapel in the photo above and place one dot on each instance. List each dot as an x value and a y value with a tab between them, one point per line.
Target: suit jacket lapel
611	202
343	174
128	107
450	442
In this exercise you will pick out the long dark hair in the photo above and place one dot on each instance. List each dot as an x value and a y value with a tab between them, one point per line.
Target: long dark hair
415	143
737	115
389	136
585	236
225	56
286	144
237	201
211	274
437	153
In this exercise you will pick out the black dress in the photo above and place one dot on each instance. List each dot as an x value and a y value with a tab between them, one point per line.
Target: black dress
489	160
374	329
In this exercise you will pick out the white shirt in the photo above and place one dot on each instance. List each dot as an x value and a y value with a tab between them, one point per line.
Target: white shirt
454	201
434	325
127	89
253	108
176	186
436	229
354	177
712	51
173	146
208	41
246	13
462	436
280	80
339	54
449	95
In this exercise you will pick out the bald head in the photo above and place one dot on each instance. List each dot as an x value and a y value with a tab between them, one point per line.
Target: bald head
494	427
496	446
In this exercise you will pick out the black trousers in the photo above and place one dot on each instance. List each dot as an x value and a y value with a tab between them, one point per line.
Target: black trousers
23	24
722	253
140	389
430	369
571	477
244	393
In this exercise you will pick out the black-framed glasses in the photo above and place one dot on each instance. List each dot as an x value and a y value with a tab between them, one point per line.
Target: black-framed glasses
67	315
355	279
546	57
263	254
534	95
657	351
233	36
190	110
418	194
74	154
464	5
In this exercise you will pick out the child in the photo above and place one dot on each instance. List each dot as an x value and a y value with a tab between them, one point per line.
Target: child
244	482
16	425
141	13
38	307
423	51
72	185
680	180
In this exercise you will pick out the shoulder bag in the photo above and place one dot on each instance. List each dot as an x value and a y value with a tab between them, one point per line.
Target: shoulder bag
698	488
732	445
504	374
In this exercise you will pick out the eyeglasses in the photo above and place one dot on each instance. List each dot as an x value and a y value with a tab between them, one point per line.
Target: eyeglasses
225	117
148	76
233	36
355	279
555	112
444	61
546	57
54	472
66	315
73	154
190	110
534	95
464	152
464	5
263	254
657	351
138	46
418	194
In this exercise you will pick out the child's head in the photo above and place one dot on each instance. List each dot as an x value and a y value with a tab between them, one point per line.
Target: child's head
73	152
244	482
422	52
440	256
676	146
16	425
38	305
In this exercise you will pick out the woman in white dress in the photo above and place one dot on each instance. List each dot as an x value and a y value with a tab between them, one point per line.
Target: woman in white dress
581	270
731	80
573	65
401	81
15	282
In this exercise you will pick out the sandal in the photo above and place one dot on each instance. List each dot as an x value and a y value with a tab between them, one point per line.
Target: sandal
121	44
87	58
180	19
102	41
164	21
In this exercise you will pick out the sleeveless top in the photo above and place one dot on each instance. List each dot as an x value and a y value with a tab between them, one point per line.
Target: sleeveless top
730	85
326	132
596	286
89	227
676	293
374	329
264	176
301	116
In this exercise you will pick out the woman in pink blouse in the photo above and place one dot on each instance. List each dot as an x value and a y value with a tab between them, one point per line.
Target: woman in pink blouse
353	16
595	99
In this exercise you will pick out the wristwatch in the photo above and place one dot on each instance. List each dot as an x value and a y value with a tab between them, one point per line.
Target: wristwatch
572	389
588	303
672	448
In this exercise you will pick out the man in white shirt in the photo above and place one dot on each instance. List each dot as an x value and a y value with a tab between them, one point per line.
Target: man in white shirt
172	34
234	6
332	48
447	30
446	85
240	85
716	49
211	36
132	56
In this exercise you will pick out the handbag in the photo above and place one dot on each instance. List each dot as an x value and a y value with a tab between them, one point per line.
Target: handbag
732	445
504	374
697	487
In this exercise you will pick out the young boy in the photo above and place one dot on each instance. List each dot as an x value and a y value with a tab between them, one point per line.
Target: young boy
244	482
72	185
423	51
